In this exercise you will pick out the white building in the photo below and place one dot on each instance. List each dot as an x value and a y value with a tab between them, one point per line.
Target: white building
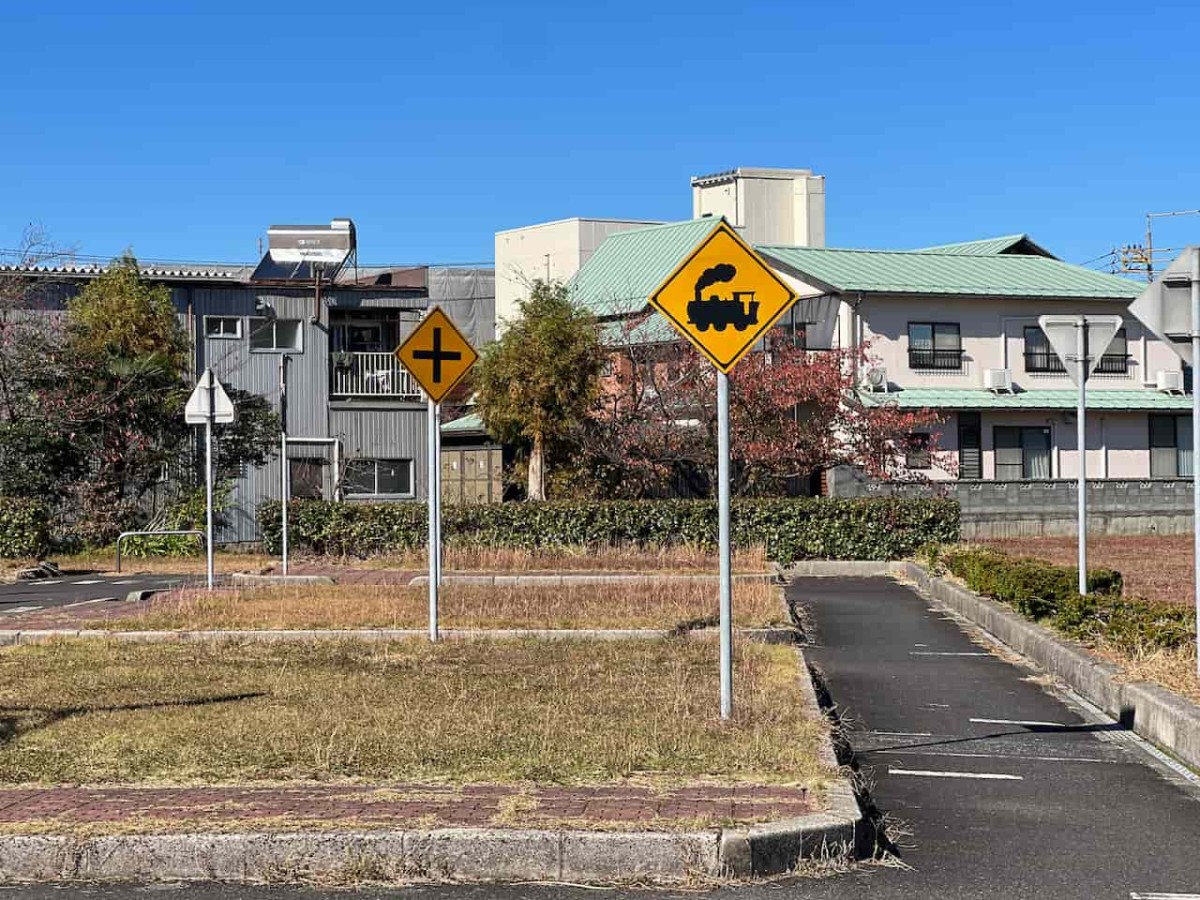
772	206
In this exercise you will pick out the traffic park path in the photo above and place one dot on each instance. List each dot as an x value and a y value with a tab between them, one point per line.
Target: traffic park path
68	591
988	784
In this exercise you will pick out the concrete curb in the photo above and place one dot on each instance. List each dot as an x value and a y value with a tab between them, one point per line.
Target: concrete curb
775	847
1151	711
566	579
831	568
243	579
9	638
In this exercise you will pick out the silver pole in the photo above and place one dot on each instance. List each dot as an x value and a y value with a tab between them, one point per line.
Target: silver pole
431	543
1081	442
208	489
283	490
1196	438
437	480
723	541
283	459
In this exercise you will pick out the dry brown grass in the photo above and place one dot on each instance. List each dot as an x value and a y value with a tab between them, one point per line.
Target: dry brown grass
641	604
1156	567
686	558
570	712
105	562
1173	669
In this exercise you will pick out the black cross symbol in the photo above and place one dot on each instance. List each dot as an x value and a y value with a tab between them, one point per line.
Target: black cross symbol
437	354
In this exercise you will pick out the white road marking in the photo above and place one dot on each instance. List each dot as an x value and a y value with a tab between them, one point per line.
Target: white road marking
84	602
47	582
21	609
903	733
1019	722
1155	895
128	581
928	773
92	581
944	653
918	752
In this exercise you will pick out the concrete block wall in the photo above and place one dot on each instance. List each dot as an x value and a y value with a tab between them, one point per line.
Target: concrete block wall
998	509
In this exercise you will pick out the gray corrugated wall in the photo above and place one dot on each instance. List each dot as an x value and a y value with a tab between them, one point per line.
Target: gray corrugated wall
387	429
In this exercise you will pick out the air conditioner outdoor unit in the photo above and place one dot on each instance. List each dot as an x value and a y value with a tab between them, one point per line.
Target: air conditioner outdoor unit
1169	381
998	380
875	380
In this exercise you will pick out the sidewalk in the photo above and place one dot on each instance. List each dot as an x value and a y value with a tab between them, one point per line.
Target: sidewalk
325	807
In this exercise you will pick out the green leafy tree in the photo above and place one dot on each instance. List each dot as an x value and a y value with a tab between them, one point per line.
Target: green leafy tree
129	355
542	378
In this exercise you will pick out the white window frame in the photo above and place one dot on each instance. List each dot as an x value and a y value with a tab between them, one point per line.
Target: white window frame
275	348
237	334
412	486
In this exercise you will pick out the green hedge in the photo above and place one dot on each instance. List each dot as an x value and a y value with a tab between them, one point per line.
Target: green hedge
809	528
24	528
1049	593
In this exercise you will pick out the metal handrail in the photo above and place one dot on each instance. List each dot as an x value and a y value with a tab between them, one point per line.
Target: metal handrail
125	534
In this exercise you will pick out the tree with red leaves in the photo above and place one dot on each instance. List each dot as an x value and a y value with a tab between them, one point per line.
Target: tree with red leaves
793	413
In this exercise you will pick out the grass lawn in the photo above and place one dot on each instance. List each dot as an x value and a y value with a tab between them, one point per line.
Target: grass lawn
1157	567
648	604
571	712
686	558
461	559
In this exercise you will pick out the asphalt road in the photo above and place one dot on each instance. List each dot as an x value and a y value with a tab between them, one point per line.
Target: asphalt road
990	786
50	593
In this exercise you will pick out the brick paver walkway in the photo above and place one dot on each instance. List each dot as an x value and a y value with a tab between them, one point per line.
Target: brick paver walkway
396	806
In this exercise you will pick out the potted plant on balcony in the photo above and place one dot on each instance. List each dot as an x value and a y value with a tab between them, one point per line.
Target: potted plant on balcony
342	359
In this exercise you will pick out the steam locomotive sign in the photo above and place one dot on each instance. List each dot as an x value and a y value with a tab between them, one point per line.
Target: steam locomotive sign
723	297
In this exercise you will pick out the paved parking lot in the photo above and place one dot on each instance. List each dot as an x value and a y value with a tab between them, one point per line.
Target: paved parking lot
71	590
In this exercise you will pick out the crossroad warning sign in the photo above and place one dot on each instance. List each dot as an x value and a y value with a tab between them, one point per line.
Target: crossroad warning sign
723	297
437	354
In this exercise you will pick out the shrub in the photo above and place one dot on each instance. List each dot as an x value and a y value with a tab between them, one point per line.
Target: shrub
187	512
1046	592
24	528
1037	589
807	528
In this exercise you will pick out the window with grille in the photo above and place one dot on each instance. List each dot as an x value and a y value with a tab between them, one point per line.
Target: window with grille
934	345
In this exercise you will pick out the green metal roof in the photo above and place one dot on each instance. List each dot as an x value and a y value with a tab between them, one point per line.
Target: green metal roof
914	272
468	423
653	329
629	265
990	247
963	398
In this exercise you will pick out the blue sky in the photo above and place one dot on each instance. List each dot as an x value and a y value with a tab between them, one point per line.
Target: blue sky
183	129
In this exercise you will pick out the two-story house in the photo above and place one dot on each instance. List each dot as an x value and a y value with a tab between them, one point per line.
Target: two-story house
356	421
953	329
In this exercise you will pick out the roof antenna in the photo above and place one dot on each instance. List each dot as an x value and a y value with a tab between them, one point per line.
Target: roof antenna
260	246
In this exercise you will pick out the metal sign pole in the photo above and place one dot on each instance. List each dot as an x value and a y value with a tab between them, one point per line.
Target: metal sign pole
432	542
208	477
283	460
437	480
1196	438
1081	442
723	540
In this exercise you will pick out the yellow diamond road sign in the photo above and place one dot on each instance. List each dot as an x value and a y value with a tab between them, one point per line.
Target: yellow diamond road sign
723	297
436	354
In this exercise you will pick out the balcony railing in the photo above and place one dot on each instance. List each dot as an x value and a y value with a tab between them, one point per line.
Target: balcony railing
1047	361
922	358
370	375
